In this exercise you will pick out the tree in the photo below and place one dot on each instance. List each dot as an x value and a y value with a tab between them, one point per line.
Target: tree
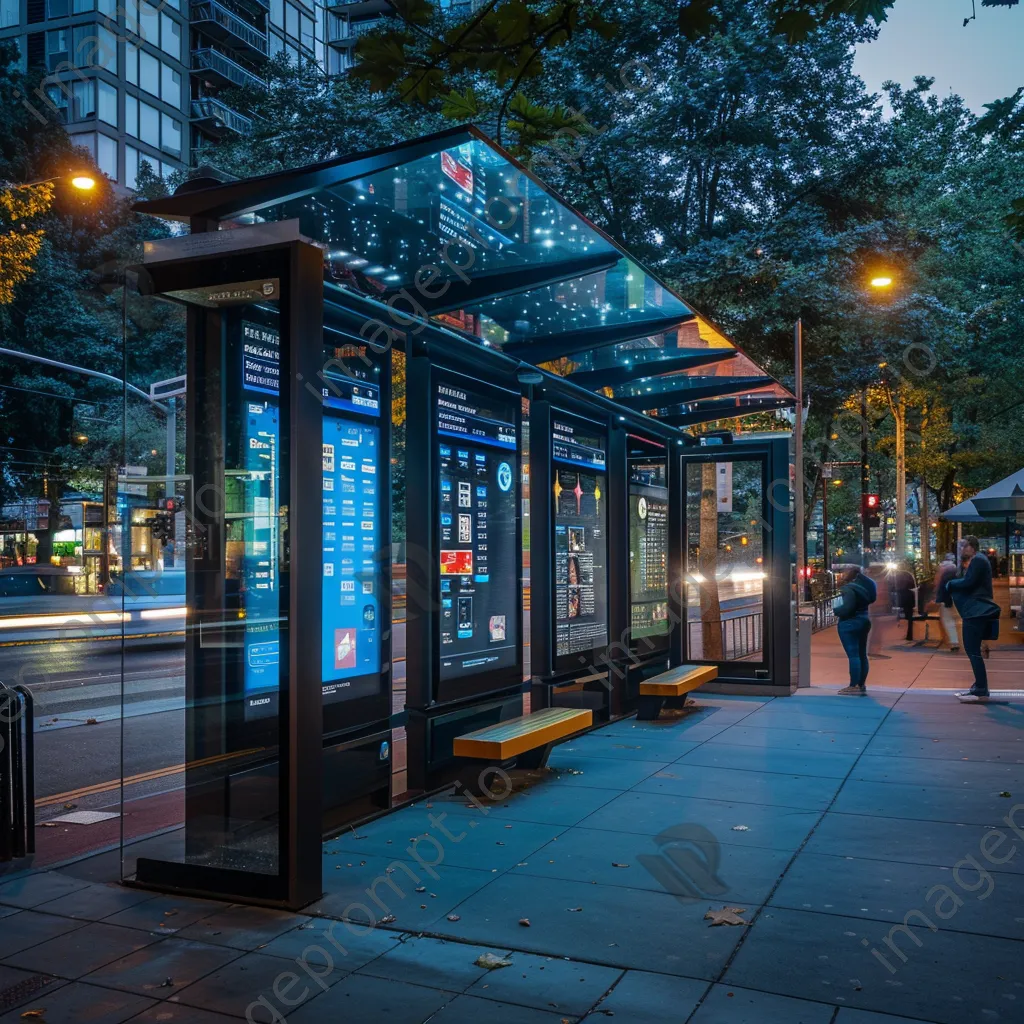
19	245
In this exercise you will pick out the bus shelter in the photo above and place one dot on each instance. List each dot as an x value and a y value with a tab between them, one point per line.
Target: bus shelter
441	460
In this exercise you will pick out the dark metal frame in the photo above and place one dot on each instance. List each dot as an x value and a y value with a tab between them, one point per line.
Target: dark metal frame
300	729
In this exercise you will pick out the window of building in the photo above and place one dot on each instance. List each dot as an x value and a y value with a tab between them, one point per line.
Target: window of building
82	6
293	53
57	49
307	32
107	7
10	13
291	20
170	36
83	100
149	124
276	44
57	8
277	13
170	135
106	49
86	141
131	166
131	116
131	63
106	155
149	73
58	102
170	85
149	23
106	103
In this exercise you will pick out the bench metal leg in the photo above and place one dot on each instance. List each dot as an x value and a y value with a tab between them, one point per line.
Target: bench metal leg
648	708
534	760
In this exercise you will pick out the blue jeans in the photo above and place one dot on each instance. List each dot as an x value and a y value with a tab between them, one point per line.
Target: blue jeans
975	630
853	633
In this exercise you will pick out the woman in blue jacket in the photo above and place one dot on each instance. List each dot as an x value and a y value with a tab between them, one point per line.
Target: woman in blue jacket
972	595
858	594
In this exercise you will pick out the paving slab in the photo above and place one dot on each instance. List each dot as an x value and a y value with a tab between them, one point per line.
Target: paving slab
80	1002
168	1013
344	946
971	898
367	889
652	931
95	902
242	927
469	1009
821	957
77	952
237	986
928	803
165	915
800	740
776	828
542	802
947	748
725	1004
644	998
363	999
984	775
26	929
547	983
18	987
806	792
717	754
436	963
686	861
31	890
642	747
910	841
164	968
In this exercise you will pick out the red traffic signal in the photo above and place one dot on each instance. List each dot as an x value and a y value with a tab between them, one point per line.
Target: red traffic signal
871	504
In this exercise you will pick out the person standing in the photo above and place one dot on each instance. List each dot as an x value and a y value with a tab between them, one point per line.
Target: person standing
972	595
858	592
903	584
943	598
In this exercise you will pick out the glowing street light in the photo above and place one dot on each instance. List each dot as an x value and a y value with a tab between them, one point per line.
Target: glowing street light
881	282
85	182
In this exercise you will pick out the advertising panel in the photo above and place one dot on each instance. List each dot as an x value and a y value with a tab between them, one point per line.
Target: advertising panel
478	533
648	553
579	454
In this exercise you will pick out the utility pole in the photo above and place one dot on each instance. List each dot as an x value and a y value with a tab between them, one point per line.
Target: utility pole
900	415
865	480
798	443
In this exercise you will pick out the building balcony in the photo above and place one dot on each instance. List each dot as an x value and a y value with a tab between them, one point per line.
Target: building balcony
217	118
217	69
358	8
348	33
215	20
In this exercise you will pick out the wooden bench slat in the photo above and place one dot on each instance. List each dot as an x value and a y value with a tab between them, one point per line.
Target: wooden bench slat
517	735
678	681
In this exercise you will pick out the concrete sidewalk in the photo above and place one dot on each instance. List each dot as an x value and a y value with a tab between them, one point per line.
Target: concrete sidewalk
874	848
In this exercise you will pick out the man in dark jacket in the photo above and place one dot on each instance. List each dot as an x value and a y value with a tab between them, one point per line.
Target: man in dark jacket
903	584
972	595
858	593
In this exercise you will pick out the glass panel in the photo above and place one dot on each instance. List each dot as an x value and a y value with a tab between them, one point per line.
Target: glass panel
107	103
131	63
106	155
170	39
170	85
149	73
149	124
217	540
725	561
171	135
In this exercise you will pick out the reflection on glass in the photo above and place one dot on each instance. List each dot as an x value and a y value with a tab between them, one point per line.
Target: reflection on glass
648	552
725	561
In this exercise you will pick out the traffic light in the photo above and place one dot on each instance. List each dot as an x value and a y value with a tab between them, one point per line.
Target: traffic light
870	509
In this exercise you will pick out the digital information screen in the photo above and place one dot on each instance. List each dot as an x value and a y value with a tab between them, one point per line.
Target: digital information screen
648	549
581	539
260	376
350	634
478	504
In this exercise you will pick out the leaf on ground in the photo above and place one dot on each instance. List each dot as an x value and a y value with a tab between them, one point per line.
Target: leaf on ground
727	915
575	910
1005	794
741	828
524	922
492	962
388	919
453	917
615	865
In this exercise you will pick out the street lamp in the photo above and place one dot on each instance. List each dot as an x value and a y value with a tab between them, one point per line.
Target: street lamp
881	282
80	180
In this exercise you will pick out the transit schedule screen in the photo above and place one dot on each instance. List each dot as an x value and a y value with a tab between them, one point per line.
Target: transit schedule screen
579	454
648	550
478	502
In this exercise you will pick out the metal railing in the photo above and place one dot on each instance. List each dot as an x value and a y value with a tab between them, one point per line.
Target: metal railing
206	59
740	637
208	108
213	13
17	773
824	614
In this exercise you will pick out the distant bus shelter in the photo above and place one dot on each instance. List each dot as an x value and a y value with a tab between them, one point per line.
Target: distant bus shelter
439	460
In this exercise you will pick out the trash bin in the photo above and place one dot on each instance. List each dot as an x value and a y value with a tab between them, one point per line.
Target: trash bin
804	630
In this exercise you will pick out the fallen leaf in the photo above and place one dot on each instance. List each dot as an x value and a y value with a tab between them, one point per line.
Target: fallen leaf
727	915
421	888
33	1015
91	721
453	917
49	824
388	919
1005	794
614	865
492	962
574	910
741	828
525	922
70	807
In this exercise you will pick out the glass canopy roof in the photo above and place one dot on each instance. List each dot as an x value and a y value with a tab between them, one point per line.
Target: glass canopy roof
450	227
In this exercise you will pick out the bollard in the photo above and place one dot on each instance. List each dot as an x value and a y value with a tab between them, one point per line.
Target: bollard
17	773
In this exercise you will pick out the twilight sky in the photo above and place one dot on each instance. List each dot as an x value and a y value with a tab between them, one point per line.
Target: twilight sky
981	62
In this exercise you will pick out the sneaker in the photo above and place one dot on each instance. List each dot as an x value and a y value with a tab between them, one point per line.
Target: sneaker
972	696
854	690
954	649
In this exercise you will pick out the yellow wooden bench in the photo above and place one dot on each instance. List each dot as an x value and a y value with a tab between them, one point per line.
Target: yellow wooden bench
528	739
669	689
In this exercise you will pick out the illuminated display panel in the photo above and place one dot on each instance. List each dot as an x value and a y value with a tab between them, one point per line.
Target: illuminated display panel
579	455
648	553
476	438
